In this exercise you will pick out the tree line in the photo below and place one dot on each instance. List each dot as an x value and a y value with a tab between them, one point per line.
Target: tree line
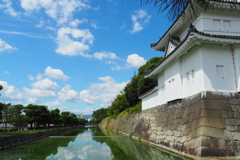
20	116
128	97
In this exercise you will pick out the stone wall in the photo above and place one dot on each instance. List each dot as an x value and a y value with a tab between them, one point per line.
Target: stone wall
206	124
11	141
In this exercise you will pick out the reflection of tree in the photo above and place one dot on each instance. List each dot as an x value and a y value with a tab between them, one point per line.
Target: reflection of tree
135	149
41	149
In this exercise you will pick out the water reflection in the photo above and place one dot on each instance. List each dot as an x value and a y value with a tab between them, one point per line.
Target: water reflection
85	144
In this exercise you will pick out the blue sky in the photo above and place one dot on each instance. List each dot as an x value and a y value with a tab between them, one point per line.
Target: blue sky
75	55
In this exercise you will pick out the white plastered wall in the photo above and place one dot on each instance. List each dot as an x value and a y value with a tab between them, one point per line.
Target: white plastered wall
150	101
192	72
213	57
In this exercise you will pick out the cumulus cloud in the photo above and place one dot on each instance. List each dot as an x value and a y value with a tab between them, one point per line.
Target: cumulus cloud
55	73
104	92
10	93
4	46
55	104
73	42
139	19
59	10
39	93
7	6
45	84
133	61
68	95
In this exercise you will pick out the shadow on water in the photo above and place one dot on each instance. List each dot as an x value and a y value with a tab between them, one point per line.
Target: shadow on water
85	144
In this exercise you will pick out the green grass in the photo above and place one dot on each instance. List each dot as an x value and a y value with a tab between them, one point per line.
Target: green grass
136	109
3	134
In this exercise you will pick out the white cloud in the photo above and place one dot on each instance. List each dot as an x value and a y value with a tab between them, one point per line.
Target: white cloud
123	26
10	93
86	111
104	92
139	19
31	77
55	73
33	100
75	22
73	42
7	72
45	84
60	10
4	46
101	55
39	77
55	104
41	23
68	95
7	5
39	93
133	61
94	25
20	33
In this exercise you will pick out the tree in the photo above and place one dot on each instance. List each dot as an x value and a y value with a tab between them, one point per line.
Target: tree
37	114
1	87
176	7
145	84
16	117
55	116
99	115
131	92
5	114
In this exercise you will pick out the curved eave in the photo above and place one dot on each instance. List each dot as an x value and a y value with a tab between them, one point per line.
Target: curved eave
193	39
148	93
160	45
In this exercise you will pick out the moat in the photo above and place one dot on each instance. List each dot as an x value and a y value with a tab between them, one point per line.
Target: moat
88	143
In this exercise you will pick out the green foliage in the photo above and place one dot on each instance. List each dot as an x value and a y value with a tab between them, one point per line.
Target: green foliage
127	101
131	91
99	115
1	87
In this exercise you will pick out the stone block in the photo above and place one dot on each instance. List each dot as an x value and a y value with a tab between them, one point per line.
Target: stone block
224	114
234	101
230	128
210	113
234	108
229	121
206	104
228	135
226	105
218	123
186	131
208	131
236	135
237	115
236	122
216	104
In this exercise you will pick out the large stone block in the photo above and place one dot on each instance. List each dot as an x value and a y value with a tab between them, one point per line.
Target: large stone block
208	131
218	123
210	113
237	115
234	101
226	105
216	104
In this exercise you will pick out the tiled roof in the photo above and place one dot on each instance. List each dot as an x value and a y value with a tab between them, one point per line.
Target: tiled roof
174	40
192	29
224	1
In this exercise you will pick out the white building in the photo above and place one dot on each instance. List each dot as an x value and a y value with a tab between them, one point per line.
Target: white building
201	54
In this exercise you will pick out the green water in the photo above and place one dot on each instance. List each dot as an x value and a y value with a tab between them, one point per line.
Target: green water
88	144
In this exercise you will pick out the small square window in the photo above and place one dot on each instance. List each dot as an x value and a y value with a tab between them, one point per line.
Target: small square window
220	71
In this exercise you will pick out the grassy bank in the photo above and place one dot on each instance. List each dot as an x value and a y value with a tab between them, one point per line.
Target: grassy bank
136	109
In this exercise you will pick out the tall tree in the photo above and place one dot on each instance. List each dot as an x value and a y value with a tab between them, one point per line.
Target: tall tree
1	87
131	91
16	117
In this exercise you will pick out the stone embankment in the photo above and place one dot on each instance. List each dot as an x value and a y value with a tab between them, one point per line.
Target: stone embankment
15	140
203	125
